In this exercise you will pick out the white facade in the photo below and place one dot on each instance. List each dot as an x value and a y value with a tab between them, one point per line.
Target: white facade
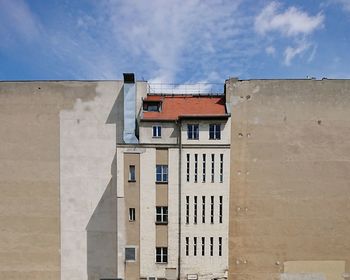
211	194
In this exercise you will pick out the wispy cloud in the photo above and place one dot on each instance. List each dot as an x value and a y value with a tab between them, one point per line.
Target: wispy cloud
345	4
17	22
292	24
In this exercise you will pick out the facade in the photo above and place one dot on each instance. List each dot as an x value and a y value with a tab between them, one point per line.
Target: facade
79	181
173	190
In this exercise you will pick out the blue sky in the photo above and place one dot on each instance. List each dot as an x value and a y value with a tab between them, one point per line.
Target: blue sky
174	41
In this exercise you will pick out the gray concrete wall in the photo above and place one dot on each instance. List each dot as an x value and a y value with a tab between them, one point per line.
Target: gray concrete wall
290	174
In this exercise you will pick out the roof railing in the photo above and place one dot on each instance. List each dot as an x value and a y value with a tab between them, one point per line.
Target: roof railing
186	89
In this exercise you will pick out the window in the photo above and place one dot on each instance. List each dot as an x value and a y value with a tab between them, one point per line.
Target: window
187	209
193	131
187	246
220	209
212	167
156	131
204	167
203	246
195	210
162	214
161	255
130	254
132	214
151	106
212	209
214	131
195	246
132	175
162	173
211	246
188	168
203	209
220	246
195	168
221	168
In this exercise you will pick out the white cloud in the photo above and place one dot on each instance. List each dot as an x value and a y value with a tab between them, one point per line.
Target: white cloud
17	21
271	50
291	52
290	22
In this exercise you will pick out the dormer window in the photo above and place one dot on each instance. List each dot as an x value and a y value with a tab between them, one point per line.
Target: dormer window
152	106
156	131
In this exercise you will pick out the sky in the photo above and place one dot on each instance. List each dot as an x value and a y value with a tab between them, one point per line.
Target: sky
173	41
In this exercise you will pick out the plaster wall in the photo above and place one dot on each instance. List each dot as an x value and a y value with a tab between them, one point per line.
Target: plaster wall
169	133
290	168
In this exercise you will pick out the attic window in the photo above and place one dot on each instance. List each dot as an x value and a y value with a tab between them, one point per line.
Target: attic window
151	106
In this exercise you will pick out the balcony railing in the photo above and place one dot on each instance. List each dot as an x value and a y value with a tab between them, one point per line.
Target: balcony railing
193	89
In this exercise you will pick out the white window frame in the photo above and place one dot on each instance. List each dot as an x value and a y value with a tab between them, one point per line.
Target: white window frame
130	247
194	246
193	131
162	214
221	168
212	209
195	209
162	252
220	208
132	214
204	168
195	168
220	246
203	209
187	209
163	173
203	246
211	246
188	167
187	248
214	131
156	131
212	168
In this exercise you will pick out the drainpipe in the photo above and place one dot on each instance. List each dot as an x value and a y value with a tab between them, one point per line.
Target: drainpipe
179	198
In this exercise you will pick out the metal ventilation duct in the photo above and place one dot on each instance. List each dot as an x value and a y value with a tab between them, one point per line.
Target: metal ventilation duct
129	136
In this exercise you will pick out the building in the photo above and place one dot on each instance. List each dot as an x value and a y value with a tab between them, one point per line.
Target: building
64	186
173	187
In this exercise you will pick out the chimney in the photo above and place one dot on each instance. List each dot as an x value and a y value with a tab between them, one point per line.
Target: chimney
129	136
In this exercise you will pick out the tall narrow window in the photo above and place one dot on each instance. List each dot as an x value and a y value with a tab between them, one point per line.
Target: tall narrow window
212	209
193	131
188	168
211	246
162	173
195	168
212	167
187	246
132	214
214	131
203	209
195	246
156	131
132	174
161	214
195	210
221	168
187	209
204	167
220	246
161	255
220	209
203	246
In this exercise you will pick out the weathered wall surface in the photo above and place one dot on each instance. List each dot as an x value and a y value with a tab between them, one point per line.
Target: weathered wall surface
290	174
29	176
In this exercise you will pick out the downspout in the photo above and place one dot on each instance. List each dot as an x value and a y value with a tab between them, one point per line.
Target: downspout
179	198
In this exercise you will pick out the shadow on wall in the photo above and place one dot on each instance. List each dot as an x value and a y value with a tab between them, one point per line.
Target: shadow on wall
102	234
102	227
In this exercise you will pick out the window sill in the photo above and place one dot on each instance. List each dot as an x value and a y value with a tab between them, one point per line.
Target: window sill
156	137
161	182
161	223
162	263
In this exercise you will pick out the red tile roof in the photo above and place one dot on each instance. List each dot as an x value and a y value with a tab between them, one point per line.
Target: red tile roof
178	106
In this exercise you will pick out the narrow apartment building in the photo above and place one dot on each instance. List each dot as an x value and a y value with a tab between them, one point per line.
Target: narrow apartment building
173	186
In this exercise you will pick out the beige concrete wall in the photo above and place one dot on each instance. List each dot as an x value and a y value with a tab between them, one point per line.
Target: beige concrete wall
290	173
29	175
169	133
